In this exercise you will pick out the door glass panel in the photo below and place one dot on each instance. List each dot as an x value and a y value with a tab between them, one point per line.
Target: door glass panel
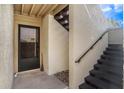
29	48
28	42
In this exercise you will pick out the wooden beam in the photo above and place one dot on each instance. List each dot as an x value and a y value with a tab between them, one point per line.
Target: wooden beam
51	9
22	10
59	9
41	10
33	5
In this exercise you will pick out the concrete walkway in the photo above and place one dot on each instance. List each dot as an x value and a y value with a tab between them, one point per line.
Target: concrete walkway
37	80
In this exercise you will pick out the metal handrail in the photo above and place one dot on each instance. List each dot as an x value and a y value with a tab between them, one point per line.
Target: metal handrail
78	61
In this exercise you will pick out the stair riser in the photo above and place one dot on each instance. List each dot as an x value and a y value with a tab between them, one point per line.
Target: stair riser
110	64
114	54
95	86
118	78
115	72
115	81
86	86
98	85
114	50
116	46
112	58
120	62
109	67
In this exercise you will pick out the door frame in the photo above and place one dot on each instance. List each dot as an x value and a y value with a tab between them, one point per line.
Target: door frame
19	30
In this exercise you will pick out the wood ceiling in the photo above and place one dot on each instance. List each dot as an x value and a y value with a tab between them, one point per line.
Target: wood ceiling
38	10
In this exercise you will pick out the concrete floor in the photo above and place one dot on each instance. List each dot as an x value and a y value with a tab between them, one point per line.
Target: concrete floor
37	80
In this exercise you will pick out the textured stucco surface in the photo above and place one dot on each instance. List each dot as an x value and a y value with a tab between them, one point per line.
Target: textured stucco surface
115	36
58	47
6	46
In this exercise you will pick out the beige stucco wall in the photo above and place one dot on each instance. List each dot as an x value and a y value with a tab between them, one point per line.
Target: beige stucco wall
115	36
25	20
44	43
86	25
6	46
56	47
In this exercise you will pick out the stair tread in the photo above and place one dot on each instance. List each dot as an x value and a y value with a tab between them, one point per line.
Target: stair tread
111	63
102	85
114	49
111	57
109	67
115	45
114	70
107	76
86	86
113	53
120	55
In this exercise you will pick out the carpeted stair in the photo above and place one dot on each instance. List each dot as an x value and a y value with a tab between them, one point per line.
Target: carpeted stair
108	72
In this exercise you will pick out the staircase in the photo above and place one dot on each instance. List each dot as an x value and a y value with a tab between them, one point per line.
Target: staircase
108	72
63	17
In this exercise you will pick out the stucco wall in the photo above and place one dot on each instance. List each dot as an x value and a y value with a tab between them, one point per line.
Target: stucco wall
44	44
6	46
116	36
56	46
86	25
